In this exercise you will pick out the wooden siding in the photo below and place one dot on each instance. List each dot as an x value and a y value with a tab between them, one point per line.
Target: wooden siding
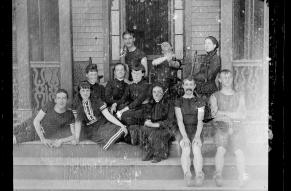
88	32
205	21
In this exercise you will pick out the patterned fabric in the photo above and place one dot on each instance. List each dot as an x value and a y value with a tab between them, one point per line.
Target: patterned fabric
156	140
133	58
97	91
162	74
90	112
114	91
205	78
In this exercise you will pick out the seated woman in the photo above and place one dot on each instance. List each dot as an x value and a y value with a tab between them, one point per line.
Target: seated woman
100	125
159	126
51	124
115	88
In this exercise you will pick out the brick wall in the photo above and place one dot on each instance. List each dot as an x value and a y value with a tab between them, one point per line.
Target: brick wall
205	21
88	33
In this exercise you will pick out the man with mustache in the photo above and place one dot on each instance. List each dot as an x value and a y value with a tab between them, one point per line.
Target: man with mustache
189	111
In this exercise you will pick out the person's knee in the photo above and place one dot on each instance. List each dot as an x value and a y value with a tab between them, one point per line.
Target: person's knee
196	149
220	151
185	146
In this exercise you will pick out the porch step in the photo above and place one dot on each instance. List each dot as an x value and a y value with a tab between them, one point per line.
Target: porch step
91	149
122	168
140	185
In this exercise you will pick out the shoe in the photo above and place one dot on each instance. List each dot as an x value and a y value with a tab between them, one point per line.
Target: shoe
199	178
188	179
218	179
156	159
148	156
242	180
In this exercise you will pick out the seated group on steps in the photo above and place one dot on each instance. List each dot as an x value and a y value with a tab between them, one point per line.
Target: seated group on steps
148	115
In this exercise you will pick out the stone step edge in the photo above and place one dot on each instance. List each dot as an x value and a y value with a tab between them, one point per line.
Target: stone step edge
88	142
34	184
105	161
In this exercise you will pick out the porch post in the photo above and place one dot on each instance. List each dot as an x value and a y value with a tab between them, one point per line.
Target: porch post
65	46
226	33
22	48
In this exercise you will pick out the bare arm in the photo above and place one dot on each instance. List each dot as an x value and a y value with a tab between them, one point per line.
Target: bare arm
158	61
200	122
145	64
113	120
78	125
38	127
149	123
181	126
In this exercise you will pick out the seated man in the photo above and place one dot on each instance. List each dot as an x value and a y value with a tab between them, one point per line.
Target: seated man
130	109
228	109
115	88
51	124
189	112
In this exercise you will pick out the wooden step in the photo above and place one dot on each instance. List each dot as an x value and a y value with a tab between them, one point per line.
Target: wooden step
140	185
122	168
91	149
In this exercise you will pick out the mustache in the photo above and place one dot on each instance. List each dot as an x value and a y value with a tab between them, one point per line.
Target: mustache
189	89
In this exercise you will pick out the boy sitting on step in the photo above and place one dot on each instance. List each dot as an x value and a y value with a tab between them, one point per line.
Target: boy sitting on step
228	110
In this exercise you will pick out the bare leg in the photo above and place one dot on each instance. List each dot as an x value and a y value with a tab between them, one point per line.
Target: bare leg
219	159
240	163
198	164
186	162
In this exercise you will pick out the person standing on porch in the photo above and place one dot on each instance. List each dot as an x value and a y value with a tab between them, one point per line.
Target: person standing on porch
205	77
132	55
228	110
162	70
189	111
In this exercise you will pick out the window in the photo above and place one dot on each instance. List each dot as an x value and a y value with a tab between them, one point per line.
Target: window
149	20
248	26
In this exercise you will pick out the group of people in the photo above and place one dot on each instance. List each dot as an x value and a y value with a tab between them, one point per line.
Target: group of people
130	109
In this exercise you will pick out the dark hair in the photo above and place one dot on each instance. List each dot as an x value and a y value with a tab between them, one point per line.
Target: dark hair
157	84
84	85
119	63
130	32
189	78
225	71
91	68
213	40
62	91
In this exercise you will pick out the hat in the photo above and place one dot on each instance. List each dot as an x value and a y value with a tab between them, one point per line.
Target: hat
166	45
138	67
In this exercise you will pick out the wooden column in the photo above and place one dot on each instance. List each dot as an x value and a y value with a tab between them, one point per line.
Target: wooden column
65	46
226	33
106	67
24	87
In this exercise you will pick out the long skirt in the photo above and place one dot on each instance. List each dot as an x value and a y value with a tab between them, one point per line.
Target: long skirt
105	133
